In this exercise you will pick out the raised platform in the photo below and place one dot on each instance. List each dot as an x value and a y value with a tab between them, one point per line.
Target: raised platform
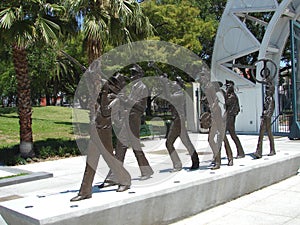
10	176
180	195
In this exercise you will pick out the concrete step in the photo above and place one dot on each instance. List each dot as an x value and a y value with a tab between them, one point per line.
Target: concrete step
155	201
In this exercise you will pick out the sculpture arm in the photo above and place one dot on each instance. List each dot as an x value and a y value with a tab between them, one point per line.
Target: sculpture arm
269	107
136	99
104	101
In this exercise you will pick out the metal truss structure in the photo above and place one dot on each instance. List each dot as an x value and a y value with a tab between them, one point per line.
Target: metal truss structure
235	40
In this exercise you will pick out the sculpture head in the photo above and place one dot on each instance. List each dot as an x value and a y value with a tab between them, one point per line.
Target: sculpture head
117	83
229	86
229	83
136	72
180	81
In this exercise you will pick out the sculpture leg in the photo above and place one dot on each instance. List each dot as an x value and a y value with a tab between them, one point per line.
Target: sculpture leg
271	138
228	151
217	160
216	134
93	155
87	181
134	135
258	153
171	138
117	174
213	161
235	138
120	152
189	146
120	173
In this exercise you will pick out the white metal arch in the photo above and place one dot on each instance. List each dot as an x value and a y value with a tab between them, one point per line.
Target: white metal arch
234	40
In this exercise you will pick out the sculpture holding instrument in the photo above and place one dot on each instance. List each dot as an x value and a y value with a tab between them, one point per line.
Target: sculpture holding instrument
208	118
131	110
268	107
101	143
232	110
173	92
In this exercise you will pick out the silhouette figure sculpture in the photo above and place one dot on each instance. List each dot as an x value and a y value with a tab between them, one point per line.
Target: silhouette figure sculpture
268	107
232	110
177	127
101	143
131	110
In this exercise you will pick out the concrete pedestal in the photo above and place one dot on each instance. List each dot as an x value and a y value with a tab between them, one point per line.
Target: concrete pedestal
184	194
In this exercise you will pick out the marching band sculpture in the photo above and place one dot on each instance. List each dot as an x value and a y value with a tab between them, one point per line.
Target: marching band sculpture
268	107
113	106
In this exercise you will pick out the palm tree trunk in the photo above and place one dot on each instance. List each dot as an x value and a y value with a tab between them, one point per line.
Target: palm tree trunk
24	101
94	49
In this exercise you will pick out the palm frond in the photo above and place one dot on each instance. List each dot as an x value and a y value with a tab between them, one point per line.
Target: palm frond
7	17
124	8
47	29
95	29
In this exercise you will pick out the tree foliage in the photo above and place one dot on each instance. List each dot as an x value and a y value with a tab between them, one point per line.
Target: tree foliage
109	22
22	24
178	22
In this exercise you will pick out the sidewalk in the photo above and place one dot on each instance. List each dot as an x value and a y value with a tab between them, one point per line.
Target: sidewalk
276	204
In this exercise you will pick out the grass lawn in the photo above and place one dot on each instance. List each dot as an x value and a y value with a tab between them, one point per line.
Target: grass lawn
51	122
12	176
52	133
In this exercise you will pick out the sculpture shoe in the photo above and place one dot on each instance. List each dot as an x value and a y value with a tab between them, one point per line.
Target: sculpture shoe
175	170
256	155
107	183
80	197
240	156
272	153
122	188
216	167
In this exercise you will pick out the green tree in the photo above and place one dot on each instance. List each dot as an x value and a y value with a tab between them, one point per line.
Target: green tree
189	23
22	24
55	75
211	11
107	23
178	22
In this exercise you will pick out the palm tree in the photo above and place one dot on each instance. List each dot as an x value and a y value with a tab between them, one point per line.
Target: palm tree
24	23
113	22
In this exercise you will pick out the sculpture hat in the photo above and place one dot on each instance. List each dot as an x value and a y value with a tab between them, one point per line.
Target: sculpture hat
136	72
229	82
117	82
136	68
180	81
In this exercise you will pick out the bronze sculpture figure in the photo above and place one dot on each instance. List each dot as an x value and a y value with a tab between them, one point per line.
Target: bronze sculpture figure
232	110
216	162
177	127
101	143
128	134
268	108
265	125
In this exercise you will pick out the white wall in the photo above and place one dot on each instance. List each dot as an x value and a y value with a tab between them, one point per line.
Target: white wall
192	116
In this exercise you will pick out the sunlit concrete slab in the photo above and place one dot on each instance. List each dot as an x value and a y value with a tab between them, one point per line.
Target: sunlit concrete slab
24	178
13	175
165	197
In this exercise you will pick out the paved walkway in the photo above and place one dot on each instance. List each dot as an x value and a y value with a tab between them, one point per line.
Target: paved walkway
276	204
